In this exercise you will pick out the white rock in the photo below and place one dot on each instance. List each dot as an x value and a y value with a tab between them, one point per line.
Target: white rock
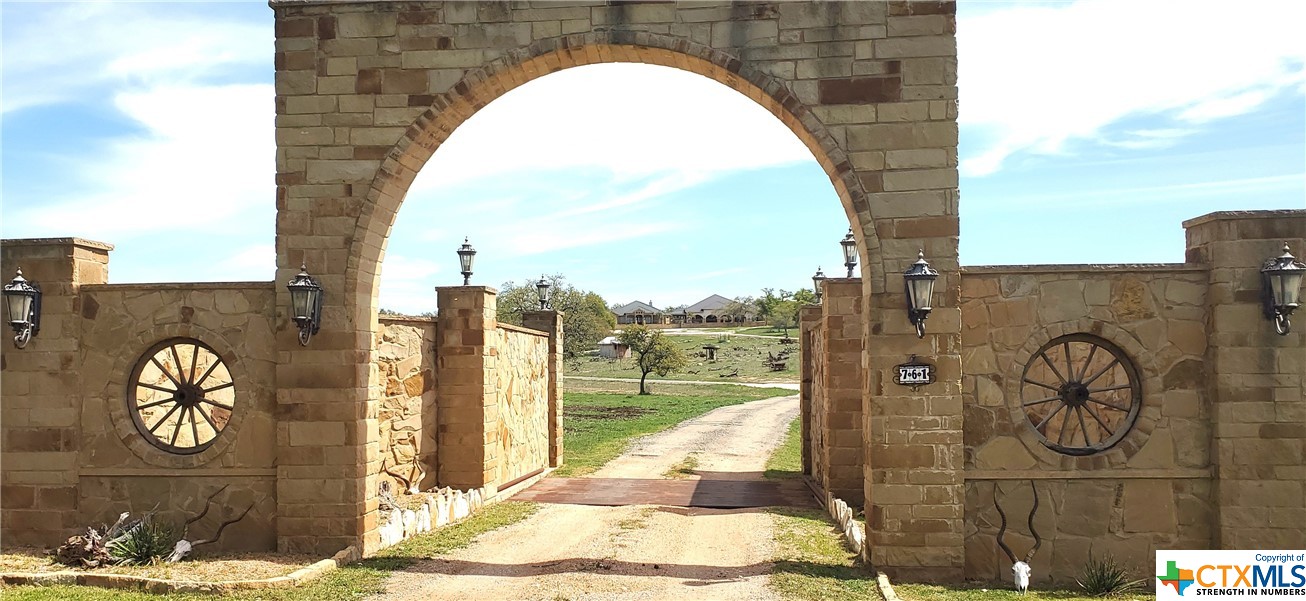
424	518
461	508
410	523
441	512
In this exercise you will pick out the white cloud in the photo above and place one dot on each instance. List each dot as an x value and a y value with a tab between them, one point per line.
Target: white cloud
203	161
66	52
258	261
625	119
1036	76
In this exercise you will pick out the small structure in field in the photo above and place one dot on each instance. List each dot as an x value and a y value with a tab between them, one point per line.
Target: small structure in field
612	348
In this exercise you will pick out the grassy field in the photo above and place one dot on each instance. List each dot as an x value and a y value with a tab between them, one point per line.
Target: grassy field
355	581
994	592
598	426
812	563
741	355
768	331
787	460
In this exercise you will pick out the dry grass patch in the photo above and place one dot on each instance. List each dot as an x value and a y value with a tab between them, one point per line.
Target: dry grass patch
238	566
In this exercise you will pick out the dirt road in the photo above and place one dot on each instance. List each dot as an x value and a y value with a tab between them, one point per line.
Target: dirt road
635	552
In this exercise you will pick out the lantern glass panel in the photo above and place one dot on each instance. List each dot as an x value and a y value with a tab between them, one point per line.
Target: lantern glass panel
300	301
922	291
465	259
19	306
1286	288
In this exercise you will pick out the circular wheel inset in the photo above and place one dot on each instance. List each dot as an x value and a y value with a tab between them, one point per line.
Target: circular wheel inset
181	395
1080	394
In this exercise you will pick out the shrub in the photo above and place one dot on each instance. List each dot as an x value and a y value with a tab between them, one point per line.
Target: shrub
145	542
1103	577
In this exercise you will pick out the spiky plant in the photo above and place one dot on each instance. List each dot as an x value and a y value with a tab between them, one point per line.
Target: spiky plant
1104	577
146	541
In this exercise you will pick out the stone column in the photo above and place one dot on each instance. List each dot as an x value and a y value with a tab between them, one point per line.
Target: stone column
42	391
841	314
809	321
466	406
1256	380
551	322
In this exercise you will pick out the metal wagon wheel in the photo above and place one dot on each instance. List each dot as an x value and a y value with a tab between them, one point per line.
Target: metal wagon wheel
1081	394
181	395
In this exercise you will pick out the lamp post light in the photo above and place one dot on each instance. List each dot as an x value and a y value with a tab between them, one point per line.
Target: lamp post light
1280	288
466	254
305	304
542	289
816	283
849	252
920	291
23	301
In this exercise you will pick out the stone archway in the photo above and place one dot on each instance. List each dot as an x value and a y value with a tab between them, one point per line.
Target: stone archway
366	92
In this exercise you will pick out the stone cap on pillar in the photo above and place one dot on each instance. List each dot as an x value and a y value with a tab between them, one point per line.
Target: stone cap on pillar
82	242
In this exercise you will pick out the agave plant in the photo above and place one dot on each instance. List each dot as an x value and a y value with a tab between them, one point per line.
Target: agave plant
146	541
1103	577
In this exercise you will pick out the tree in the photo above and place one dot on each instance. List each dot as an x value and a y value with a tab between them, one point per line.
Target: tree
586	318
784	315
739	309
654	353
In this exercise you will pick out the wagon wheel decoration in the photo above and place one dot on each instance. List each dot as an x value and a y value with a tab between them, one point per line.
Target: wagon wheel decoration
1080	394
181	395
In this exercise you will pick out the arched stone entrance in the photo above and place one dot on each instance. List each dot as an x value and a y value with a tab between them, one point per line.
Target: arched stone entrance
366	92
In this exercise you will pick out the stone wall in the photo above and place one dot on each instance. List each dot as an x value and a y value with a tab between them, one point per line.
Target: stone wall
1256	380
522	383
1149	491
814	370
368	91
841	352
407	419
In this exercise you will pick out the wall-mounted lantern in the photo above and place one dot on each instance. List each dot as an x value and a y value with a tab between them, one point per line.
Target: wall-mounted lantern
817	279
920	290
466	254
1280	287
849	252
23	301
542	289
305	304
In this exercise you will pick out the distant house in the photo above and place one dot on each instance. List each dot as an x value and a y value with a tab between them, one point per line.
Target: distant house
639	313
713	310
611	348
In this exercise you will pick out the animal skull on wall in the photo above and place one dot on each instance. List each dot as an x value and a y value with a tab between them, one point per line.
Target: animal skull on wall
1020	569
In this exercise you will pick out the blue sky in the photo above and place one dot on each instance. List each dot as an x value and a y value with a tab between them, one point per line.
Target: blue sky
1089	131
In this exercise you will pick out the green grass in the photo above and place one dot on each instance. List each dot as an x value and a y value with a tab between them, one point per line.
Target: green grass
354	581
993	592
768	331
740	354
786	461
684	469
812	563
597	427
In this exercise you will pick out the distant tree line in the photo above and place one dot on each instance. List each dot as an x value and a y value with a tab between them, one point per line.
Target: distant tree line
586	318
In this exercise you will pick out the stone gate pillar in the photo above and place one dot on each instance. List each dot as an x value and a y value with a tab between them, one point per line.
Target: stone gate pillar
42	391
1257	381
841	315
551	322
809	321
467	407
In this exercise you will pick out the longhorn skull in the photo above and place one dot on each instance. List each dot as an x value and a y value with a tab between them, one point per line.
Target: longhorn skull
1020	569
184	547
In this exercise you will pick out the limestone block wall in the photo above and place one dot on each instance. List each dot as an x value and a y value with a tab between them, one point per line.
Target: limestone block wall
841	355
522	385
41	386
407	421
368	91
1153	489
816	407
1256	380
119	470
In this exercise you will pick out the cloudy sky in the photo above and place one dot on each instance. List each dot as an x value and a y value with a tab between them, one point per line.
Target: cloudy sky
1089	130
